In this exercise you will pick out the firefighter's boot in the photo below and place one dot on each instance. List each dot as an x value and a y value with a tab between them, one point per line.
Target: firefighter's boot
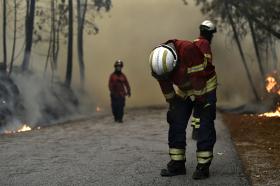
201	172
174	168
177	164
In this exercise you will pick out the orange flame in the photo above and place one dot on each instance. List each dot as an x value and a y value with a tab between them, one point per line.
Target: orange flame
273	87
98	109
271	84
272	114
24	128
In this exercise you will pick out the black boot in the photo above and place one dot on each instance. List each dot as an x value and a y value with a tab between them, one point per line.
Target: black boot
195	133
174	168
201	172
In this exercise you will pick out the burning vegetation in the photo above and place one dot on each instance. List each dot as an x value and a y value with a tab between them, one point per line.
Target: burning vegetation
272	83
30	99
24	128
256	136
273	88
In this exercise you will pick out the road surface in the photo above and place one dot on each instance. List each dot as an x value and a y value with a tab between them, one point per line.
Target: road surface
98	151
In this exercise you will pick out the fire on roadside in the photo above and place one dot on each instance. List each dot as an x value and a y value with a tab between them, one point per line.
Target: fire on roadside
272	87
98	109
272	114
23	128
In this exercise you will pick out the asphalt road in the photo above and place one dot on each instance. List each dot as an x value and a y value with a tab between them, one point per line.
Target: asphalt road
100	152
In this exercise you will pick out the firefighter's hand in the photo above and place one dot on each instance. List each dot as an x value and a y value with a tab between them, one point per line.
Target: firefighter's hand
128	94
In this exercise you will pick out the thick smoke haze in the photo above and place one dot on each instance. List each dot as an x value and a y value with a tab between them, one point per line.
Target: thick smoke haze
133	28
129	32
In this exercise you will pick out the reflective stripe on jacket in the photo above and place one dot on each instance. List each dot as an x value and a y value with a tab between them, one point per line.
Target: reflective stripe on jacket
192	76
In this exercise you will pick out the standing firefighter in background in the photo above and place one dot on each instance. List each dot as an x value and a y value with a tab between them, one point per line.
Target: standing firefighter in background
181	63
207	29
119	88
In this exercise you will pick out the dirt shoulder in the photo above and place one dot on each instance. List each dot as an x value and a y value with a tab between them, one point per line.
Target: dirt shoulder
257	140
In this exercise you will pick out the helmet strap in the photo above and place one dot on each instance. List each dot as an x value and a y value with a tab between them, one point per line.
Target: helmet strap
207	35
161	77
171	48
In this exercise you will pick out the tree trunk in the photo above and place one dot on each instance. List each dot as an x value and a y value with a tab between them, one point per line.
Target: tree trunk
48	54
28	33
254	38
274	55
254	18
241	52
4	34
70	45
80	39
267	56
56	40
57	46
53	28
15	38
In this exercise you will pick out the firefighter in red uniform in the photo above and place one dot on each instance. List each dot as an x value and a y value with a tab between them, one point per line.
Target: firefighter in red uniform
207	29
181	64
119	88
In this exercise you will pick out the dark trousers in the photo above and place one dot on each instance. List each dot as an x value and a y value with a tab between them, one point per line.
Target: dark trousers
178	116
117	104
196	109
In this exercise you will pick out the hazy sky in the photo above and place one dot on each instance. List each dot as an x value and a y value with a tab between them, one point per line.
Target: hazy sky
129	32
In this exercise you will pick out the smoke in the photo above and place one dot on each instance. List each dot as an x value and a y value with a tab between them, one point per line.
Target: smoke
35	100
31	89
133	29
129	32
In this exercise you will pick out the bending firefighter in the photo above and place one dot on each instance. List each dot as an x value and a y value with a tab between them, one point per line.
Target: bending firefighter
119	88
207	30
181	63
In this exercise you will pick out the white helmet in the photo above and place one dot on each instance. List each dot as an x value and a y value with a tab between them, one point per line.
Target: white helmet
208	26
163	60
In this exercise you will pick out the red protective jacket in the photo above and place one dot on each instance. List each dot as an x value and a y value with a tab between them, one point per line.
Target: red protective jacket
192	76
119	85
204	46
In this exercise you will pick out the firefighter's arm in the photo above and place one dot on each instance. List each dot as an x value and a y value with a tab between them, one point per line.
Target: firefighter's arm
127	86
111	83
167	89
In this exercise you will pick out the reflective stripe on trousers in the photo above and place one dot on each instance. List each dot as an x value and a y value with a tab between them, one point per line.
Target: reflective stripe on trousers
195	122
204	157
177	154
